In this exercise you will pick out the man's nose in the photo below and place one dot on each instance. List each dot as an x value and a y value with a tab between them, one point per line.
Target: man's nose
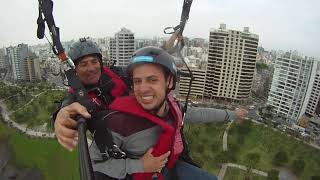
91	67
144	86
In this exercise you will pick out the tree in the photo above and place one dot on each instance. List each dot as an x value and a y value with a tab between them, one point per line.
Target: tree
273	174
53	85
252	159
315	177
225	156
298	166
280	158
244	128
261	66
51	108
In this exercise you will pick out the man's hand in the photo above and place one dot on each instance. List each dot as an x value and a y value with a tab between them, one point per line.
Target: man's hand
154	164
241	114
65	125
169	45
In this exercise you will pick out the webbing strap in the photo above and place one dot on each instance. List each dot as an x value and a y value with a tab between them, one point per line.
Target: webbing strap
184	15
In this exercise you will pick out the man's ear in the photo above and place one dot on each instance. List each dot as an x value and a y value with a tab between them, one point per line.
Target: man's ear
170	82
76	69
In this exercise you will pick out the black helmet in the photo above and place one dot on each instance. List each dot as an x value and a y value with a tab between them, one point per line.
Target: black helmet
155	55
82	48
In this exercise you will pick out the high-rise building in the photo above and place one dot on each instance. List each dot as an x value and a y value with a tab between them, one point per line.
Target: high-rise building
313	107
32	68
197	88
122	47
291	85
3	59
17	56
231	63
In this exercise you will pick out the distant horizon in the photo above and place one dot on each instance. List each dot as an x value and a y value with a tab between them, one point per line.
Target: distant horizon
44	42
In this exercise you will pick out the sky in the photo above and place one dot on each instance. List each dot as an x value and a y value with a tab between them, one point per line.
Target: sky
280	24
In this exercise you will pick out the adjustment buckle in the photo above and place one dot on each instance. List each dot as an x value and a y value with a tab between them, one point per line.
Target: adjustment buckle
116	152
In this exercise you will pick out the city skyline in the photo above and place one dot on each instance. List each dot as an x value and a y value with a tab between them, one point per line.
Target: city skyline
285	25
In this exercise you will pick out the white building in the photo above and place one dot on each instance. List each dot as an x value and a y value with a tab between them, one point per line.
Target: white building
313	107
231	63
17	56
291	85
122	47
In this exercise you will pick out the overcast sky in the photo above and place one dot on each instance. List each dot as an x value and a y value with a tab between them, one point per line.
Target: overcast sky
280	24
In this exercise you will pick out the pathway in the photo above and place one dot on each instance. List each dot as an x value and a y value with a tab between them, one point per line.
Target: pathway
242	167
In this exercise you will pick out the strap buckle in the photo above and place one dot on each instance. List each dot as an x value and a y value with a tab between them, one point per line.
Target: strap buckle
96	90
99	92
116	152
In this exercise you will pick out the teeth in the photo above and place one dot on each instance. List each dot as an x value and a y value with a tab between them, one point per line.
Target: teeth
147	97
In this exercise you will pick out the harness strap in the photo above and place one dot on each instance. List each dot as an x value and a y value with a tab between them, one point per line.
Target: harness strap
103	138
102	135
79	90
106	86
41	25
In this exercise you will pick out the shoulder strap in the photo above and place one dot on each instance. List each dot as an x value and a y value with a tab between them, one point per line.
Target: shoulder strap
103	137
106	86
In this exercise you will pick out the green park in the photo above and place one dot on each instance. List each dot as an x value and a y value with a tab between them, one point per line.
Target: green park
255	146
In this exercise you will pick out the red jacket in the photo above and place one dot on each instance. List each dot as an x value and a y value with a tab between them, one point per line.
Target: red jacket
118	90
169	140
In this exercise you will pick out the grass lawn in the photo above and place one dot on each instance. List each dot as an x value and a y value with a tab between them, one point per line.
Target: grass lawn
254	138
44	154
205	141
238	174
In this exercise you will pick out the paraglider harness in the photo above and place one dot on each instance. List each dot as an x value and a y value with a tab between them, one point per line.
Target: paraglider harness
80	92
103	137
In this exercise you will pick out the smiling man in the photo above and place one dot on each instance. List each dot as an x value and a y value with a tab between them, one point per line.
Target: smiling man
88	60
152	97
102	84
89	69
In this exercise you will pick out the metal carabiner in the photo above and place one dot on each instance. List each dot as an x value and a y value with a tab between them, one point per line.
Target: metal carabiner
173	29
166	30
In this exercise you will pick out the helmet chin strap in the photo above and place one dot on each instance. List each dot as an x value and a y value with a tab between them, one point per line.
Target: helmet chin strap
101	64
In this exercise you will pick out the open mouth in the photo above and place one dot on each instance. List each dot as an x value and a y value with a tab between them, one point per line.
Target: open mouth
92	75
147	99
